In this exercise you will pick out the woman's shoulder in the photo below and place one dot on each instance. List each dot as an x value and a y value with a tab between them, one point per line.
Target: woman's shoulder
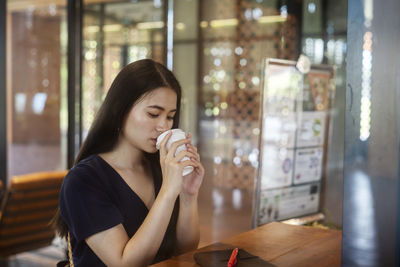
85	165
85	171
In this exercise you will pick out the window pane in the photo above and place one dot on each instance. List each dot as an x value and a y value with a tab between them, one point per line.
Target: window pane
114	35
36	86
229	44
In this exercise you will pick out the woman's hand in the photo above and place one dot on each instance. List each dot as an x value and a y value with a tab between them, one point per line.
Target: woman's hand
188	230
171	164
192	181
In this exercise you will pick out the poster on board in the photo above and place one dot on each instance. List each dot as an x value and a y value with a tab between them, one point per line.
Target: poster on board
308	165
280	129
311	129
289	202
277	168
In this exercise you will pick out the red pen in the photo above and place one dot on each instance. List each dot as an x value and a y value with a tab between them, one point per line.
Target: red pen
232	260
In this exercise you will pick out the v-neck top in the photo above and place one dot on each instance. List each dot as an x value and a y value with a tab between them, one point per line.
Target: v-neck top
94	198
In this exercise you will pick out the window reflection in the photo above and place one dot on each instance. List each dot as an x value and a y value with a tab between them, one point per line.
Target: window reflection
20	102
361	231
365	113
116	33
36	85
38	103
235	37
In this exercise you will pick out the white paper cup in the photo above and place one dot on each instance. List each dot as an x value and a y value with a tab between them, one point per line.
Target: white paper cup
177	134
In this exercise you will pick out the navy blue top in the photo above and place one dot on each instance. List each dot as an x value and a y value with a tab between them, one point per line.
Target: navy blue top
94	198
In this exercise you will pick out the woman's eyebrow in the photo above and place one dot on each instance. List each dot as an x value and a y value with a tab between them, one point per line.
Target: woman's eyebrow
161	108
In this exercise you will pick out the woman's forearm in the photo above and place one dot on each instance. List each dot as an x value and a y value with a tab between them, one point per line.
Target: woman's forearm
188	230
147	240
114	247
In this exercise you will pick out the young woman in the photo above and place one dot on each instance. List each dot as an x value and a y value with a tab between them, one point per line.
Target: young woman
124	203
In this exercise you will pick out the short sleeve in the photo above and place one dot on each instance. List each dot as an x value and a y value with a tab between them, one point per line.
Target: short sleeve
85	205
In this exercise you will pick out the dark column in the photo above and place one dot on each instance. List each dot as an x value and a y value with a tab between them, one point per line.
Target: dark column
3	93
74	78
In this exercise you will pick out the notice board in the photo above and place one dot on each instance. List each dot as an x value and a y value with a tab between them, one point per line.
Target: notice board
294	139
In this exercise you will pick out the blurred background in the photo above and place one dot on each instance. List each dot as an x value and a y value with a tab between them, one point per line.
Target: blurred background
61	57
215	48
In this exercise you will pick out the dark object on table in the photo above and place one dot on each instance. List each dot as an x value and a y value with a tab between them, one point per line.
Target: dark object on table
220	258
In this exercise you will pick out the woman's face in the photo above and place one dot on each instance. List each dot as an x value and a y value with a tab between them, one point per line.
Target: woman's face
149	117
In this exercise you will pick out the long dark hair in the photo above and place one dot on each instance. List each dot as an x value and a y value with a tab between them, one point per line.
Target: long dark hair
132	83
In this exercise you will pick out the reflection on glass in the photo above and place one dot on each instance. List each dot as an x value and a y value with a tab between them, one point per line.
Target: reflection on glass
324	41
314	48
20	102
36	86
365	113
38	103
366	86
235	38
362	204
116	33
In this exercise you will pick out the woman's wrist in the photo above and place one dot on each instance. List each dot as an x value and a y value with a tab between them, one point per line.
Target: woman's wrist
168	193
188	199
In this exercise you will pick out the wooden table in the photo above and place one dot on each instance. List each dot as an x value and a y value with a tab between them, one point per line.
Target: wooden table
279	243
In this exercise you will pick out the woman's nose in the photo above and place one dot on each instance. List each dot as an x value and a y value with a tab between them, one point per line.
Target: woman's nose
162	125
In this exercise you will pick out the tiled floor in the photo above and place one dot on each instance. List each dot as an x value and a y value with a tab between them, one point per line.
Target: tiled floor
223	212
45	257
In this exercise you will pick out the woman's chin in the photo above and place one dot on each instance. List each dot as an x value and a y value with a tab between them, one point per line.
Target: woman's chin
151	150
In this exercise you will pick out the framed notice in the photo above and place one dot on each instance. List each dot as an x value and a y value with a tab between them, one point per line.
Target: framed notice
293	139
308	165
311	128
288	202
278	167
280	129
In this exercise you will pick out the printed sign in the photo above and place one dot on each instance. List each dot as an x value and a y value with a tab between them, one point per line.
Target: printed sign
285	203
277	167
319	83
308	165
280	130
311	129
283	84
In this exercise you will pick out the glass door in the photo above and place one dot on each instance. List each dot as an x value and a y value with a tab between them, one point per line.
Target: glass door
116	33
36	37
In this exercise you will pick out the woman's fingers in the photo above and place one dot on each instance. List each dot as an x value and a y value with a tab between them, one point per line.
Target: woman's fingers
194	163
197	156
190	152
191	146
163	144
184	153
190	163
186	157
174	146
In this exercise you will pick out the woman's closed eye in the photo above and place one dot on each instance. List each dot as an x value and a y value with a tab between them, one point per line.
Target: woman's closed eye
152	115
